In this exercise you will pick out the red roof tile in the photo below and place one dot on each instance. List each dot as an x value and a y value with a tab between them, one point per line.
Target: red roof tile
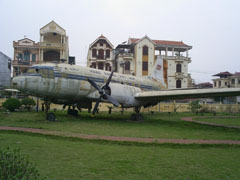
162	42
226	73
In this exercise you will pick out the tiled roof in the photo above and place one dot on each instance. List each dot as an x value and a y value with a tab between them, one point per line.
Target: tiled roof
162	42
226	73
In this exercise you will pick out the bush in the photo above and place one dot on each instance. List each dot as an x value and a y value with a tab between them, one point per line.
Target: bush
195	106
15	166
11	104
28	103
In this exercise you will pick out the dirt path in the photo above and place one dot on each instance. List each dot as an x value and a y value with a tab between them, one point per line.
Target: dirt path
120	139
190	119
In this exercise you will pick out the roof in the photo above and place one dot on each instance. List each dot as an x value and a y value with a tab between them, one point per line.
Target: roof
5	56
102	37
162	42
226	73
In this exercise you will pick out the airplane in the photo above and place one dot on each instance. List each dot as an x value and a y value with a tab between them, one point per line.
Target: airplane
77	86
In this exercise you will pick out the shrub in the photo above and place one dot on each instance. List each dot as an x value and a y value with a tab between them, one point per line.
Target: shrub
28	103
11	104
195	106
15	166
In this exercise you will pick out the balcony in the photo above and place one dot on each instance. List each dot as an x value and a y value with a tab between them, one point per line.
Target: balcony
23	63
51	45
125	54
179	75
176	58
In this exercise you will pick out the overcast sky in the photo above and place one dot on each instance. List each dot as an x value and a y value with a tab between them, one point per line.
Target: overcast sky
212	27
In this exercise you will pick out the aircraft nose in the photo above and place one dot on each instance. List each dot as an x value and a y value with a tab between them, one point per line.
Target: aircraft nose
16	82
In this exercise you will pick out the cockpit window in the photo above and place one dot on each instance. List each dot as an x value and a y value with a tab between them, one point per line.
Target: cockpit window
31	70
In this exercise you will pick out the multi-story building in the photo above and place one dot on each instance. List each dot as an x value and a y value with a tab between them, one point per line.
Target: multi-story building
53	47
100	54
5	70
138	57
227	80
26	54
53	44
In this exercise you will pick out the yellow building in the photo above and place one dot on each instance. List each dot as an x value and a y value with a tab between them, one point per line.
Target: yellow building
53	43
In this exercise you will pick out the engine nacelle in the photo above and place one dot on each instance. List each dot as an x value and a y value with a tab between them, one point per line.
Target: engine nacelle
124	94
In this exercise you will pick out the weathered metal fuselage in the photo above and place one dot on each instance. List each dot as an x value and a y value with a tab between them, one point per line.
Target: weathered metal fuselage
65	84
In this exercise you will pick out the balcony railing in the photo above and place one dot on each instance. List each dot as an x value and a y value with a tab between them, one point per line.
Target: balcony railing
179	75
52	45
180	58
23	63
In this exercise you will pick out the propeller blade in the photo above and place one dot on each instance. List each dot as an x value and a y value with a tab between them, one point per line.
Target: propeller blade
96	106
113	101
94	84
109	79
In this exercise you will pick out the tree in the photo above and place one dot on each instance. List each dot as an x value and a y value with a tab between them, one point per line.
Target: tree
11	104
14	165
195	106
28	103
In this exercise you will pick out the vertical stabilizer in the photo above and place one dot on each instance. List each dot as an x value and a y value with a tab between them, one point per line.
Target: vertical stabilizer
157	73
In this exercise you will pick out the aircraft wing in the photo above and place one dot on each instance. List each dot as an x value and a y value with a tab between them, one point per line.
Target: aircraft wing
156	96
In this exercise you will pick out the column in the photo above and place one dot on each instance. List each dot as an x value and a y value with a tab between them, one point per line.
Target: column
166	50
172	51
187	53
61	39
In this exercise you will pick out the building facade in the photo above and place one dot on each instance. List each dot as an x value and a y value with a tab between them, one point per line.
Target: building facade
100	54
53	47
138	57
227	80
26	54
53	44
5	70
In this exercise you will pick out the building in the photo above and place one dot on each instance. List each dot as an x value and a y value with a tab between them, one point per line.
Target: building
204	85
228	80
138	57
26	54
100	54
5	70
53	44
53	47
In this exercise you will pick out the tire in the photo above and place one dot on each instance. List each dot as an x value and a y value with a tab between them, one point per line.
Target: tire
51	117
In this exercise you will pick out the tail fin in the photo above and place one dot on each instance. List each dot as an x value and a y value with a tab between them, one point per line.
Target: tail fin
157	73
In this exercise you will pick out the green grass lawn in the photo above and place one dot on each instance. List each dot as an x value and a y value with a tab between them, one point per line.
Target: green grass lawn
228	121
68	159
159	125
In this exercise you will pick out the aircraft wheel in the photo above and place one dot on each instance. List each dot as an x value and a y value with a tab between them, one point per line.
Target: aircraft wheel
139	117
51	117
75	112
133	117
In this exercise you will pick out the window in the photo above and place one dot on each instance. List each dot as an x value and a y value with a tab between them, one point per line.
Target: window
108	67
219	84
239	81
127	66
145	50
178	83
26	56
101	54
19	57
100	65
101	44
144	66
179	68
215	84
233	81
94	53
33	57
225	83
107	53
93	65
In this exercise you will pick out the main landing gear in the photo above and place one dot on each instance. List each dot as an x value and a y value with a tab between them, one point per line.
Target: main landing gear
137	116
49	116
72	111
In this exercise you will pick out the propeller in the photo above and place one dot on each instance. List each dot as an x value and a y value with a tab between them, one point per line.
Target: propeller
104	92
